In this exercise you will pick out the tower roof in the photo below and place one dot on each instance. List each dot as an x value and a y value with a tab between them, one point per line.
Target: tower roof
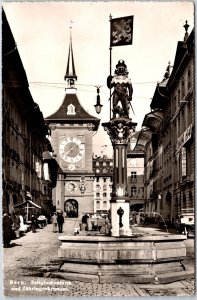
70	75
71	111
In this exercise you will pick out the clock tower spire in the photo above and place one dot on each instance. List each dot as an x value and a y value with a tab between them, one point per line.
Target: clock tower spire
70	75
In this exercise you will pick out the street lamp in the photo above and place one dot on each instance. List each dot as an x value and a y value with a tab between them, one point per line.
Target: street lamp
98	106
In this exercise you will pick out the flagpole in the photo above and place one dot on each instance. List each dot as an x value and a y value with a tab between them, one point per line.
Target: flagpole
110	65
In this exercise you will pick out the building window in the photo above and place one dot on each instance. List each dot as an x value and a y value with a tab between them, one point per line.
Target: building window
97	204
71	110
104	187
98	195
183	88
97	163
179	96
104	204
104	163
98	186
104	195
97	171
104	179
133	176
189	79
97	179
133	191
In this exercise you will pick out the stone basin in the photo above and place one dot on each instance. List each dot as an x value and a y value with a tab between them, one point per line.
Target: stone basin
139	258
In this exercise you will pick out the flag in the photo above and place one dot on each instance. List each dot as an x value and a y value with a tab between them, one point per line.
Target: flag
121	31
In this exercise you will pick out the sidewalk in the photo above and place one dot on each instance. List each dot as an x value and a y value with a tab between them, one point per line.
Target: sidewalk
30	263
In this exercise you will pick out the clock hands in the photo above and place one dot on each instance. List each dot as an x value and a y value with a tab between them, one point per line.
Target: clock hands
71	149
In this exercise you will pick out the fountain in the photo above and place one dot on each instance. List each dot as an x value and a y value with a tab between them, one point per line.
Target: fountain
123	256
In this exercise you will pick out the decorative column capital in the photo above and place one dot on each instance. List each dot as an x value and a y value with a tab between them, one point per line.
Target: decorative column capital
119	130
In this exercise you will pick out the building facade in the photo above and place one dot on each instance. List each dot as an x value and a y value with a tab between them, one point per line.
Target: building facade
135	174
23	135
71	137
103	171
167	137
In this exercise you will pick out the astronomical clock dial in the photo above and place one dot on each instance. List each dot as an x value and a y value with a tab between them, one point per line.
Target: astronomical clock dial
70	187
71	150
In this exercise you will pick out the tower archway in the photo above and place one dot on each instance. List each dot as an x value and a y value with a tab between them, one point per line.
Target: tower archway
71	208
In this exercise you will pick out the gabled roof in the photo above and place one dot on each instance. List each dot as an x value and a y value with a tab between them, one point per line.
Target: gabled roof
184	51
80	115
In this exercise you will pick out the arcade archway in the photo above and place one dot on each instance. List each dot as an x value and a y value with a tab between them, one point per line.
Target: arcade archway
168	206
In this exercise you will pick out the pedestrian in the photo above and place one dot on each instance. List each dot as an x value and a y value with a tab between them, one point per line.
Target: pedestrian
60	222
89	223
7	230
16	224
54	222
138	219
33	223
23	227
84	222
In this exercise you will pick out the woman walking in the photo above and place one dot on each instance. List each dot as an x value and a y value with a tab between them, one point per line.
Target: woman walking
54	222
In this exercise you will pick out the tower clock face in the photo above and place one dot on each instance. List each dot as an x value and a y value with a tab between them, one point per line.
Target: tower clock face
71	150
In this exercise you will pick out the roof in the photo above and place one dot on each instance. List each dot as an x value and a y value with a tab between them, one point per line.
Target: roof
80	115
184	51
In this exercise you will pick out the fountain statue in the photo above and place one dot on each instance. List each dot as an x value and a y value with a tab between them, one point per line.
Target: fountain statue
123	256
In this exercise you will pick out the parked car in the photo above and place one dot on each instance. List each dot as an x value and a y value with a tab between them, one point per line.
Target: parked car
185	224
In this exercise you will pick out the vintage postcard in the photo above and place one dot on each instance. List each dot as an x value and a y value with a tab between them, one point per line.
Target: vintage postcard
98	148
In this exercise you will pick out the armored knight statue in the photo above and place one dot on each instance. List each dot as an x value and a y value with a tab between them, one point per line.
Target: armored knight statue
123	90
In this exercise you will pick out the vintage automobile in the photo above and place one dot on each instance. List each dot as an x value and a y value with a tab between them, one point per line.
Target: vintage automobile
185	224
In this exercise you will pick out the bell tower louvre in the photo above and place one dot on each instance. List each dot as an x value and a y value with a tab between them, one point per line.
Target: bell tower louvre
71	138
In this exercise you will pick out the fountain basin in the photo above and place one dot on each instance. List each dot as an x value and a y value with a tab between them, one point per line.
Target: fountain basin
135	259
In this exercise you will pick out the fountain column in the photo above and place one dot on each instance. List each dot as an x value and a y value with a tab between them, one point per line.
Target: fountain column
119	129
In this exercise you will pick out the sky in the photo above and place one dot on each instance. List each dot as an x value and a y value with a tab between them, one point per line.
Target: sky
42	33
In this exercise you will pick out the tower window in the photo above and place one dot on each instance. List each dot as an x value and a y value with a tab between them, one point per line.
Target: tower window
71	110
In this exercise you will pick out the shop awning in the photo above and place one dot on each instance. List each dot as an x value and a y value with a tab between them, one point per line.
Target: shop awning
28	203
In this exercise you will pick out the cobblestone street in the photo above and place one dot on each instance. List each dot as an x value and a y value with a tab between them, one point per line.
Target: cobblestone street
30	262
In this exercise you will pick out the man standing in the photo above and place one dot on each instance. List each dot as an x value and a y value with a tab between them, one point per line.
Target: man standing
60	222
33	223
7	230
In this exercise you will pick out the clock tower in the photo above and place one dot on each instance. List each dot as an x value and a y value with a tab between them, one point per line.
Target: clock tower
71	138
